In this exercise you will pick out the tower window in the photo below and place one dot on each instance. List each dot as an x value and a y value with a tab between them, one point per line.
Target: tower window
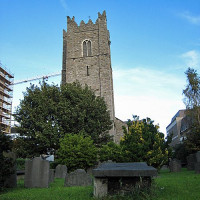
88	71
87	48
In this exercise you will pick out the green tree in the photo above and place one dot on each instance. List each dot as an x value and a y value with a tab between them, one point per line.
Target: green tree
77	152
6	163
48	112
192	102
144	143
111	151
180	152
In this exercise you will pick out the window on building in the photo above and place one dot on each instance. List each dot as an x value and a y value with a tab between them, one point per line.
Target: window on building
88	71
87	49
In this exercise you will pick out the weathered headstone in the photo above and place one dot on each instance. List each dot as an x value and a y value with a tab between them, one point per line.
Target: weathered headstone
61	171
51	175
175	165
191	160
78	178
11	181
112	178
197	164
164	167
197	168
198	156
36	173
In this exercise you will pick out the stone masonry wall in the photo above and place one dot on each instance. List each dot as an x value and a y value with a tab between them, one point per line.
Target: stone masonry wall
119	130
94	70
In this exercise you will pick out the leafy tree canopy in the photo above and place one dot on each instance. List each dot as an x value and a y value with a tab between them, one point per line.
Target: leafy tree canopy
48	112
192	102
77	152
144	142
111	151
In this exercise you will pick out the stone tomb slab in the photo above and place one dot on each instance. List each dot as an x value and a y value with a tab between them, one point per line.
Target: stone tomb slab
112	178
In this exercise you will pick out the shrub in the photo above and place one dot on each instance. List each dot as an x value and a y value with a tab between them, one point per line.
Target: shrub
111	151
77	151
144	143
20	162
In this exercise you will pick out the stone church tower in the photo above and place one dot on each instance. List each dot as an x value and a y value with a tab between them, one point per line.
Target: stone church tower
86	58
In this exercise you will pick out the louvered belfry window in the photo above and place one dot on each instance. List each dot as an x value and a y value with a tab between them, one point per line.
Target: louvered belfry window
87	48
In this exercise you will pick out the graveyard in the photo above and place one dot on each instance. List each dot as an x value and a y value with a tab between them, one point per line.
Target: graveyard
73	139
177	185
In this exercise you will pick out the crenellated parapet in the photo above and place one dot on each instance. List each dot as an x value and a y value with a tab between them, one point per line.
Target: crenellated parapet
74	27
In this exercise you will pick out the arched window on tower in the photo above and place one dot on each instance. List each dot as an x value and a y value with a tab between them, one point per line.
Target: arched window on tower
87	48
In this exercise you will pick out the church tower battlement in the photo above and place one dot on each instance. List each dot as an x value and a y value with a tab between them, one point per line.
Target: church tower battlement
86	58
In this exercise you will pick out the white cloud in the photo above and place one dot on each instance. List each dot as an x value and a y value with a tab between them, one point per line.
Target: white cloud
191	18
192	58
148	93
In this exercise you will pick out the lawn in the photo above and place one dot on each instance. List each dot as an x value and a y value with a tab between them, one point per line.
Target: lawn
184	185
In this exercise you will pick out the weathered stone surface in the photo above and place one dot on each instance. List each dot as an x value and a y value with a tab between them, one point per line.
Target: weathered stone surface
61	171
100	187
197	168
191	160
164	167
112	178
78	178
51	175
36	173
198	156
175	165
94	68
11	181
119	130
124	170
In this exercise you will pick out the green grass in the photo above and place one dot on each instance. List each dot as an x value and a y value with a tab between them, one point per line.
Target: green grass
56	191
184	185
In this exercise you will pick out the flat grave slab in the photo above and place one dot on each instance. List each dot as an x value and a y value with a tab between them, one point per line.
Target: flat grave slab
124	170
112	178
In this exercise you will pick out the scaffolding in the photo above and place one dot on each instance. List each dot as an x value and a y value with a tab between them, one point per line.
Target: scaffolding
6	94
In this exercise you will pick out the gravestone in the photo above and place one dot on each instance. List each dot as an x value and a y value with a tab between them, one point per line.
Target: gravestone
36	173
191	160
112	178
11	181
78	178
51	175
61	171
197	164
164	167
175	165
198	156
197	168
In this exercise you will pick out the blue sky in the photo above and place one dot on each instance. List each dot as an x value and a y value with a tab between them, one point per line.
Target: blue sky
153	42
